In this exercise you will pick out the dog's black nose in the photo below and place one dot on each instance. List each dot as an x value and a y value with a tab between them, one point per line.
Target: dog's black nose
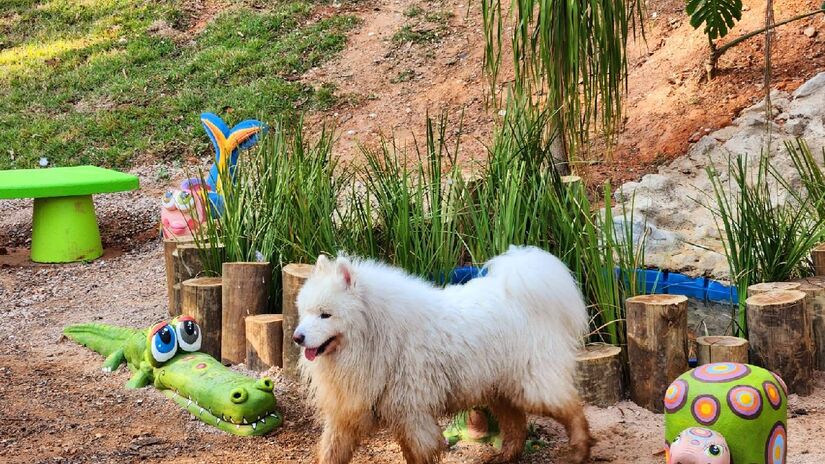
298	338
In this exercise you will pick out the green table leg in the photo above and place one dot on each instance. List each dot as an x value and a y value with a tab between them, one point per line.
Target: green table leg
64	230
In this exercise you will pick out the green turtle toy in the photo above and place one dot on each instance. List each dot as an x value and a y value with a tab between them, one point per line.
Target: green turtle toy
167	357
726	413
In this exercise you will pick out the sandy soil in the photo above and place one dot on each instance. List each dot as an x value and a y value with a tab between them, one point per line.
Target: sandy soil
57	405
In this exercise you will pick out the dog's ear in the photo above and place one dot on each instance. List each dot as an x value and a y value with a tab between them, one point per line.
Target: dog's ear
345	270
322	263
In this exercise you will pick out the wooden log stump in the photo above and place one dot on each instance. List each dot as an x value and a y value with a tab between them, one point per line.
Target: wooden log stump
294	276
599	375
722	349
656	346
779	332
201	299
765	287
264	341
818	257
245	293
186	264
814	287
169	247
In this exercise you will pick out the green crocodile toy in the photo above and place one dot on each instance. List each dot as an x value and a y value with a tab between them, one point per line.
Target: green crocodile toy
478	425
167	356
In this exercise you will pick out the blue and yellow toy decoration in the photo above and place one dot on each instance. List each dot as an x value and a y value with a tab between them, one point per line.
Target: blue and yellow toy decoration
228	144
185	208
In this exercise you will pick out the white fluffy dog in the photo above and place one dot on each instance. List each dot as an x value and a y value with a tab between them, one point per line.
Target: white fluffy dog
384	348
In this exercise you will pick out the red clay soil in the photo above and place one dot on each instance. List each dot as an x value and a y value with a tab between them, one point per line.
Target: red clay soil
669	102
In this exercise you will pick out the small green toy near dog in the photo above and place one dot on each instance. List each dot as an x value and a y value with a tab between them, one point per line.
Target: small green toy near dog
167	357
727	413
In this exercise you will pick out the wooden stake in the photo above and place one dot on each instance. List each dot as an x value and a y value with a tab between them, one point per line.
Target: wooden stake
189	263
656	346
599	375
818	257
245	293
201	299
814	288
766	287
294	276
264	340
169	247
722	349
779	332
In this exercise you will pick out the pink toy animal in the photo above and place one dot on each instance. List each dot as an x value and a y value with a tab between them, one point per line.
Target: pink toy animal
699	446
183	210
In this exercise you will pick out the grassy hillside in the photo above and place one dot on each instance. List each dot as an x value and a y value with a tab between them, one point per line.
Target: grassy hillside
109	81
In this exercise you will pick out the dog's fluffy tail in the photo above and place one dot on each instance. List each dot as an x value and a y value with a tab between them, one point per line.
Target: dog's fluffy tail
544	287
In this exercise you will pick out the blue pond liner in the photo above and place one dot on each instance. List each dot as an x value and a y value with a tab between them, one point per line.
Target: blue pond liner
655	281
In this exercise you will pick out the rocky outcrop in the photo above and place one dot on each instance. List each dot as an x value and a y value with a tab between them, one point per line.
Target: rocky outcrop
671	205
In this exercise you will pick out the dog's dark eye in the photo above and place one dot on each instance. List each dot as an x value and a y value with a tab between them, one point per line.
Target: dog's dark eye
326	315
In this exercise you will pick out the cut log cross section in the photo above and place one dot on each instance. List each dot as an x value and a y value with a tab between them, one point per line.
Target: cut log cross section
714	349
599	375
780	337
294	276
656	346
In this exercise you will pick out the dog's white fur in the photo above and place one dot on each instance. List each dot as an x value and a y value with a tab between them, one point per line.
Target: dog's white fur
406	353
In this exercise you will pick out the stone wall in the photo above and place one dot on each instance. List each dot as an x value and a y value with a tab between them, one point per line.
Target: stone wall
670	204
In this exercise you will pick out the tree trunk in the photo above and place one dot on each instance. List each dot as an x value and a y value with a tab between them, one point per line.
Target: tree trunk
814	287
245	293
599	375
264	341
780	337
765	287
818	256
656	346
722	349
294	276
201	299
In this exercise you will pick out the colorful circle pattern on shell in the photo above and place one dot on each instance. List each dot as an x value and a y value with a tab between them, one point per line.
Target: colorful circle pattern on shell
777	447
745	401
705	409
720	372
676	395
748	409
772	394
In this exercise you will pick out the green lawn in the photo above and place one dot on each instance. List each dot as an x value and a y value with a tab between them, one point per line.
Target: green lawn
86	82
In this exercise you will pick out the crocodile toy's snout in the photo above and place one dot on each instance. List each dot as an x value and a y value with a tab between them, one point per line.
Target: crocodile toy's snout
264	384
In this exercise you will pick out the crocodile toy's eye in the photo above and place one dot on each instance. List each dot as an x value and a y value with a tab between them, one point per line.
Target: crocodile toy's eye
189	334
168	200
184	200
714	450
164	343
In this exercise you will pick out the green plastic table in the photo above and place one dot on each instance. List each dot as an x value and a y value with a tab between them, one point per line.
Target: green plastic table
64	225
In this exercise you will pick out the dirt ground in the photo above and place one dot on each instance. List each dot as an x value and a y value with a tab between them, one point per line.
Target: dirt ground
668	105
56	405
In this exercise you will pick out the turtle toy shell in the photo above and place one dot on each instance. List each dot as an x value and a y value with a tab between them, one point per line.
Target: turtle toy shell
745	404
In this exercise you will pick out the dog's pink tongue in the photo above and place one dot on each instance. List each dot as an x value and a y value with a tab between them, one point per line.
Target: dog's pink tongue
311	353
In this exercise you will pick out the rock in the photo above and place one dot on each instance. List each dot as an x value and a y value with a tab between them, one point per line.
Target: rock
695	137
809	32
810	87
796	126
671	206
